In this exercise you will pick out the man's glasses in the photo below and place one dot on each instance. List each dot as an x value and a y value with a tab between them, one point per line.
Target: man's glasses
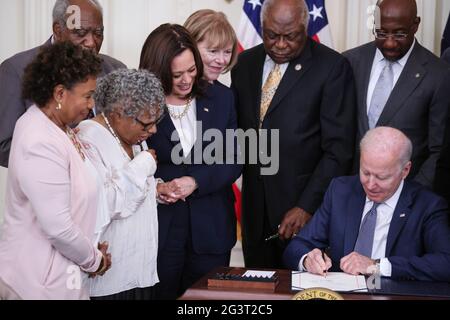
382	35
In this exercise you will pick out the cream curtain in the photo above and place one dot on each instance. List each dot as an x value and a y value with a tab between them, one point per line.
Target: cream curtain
27	23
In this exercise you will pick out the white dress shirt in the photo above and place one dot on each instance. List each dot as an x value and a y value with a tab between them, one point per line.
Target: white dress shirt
377	68
385	211
269	64
186	126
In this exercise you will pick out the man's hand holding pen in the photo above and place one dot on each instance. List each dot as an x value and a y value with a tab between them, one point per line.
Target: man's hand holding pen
317	262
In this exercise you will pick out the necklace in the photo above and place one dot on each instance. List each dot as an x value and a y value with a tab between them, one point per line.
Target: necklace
111	130
178	116
76	143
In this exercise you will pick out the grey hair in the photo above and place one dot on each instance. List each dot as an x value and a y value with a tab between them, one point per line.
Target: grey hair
60	10
131	92
302	8
387	139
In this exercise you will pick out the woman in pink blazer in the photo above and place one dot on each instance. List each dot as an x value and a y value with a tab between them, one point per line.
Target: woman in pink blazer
47	242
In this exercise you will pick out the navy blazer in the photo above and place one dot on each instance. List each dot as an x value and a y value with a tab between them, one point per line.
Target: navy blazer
418	243
211	206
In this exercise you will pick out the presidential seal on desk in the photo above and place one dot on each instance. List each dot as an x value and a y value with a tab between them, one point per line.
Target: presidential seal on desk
317	294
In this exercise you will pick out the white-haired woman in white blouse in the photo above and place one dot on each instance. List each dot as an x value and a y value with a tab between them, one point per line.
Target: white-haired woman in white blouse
129	104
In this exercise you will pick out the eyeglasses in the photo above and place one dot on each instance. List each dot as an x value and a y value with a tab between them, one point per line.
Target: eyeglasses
148	126
382	35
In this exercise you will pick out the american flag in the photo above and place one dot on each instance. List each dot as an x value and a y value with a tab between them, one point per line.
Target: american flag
250	31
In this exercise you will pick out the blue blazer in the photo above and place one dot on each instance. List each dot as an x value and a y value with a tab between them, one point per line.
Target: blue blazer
418	242
211	206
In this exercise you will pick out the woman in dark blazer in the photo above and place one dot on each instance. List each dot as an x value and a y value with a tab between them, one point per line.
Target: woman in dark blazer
197	226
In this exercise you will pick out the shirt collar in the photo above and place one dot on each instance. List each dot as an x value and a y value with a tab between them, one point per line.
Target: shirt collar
379	56
393	200
271	63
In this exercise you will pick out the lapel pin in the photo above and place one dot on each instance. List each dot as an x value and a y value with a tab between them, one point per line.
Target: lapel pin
206	109
417	75
298	67
402	215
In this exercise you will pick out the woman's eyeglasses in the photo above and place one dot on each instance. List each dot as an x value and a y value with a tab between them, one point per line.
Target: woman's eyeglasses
149	125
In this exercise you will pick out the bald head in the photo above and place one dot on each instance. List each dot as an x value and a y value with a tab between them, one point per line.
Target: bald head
396	24
387	142
398	8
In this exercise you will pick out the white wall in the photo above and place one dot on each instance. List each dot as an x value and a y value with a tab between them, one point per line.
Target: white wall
27	23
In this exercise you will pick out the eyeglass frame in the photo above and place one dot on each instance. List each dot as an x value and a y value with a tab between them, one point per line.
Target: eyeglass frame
404	35
148	126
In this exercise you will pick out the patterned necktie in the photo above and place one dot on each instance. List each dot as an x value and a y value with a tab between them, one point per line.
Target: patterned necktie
268	91
381	93
364	243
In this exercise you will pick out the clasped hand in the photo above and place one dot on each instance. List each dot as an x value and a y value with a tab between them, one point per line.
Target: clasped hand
177	189
105	265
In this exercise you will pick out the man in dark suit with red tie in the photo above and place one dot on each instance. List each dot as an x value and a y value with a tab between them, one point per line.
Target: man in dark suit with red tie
306	91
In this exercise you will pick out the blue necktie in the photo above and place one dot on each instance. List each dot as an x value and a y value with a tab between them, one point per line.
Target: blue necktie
364	243
381	93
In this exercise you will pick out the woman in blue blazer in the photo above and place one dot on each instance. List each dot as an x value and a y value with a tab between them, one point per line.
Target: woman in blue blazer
197	224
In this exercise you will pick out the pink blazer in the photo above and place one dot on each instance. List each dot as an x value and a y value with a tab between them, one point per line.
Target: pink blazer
50	213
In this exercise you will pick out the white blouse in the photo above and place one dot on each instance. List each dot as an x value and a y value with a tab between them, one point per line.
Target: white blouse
127	217
186	126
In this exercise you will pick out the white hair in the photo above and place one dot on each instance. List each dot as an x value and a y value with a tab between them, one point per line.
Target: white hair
60	10
387	139
302	8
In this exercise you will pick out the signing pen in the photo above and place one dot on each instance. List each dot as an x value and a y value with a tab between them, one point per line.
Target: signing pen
274	236
323	257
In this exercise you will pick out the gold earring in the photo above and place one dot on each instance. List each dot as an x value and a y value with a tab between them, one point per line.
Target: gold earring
59	107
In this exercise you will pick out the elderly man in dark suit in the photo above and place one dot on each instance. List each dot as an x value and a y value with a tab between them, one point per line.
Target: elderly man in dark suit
402	85
89	36
377	222
306	91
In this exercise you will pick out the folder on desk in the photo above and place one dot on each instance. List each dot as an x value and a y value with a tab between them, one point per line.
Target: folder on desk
336	281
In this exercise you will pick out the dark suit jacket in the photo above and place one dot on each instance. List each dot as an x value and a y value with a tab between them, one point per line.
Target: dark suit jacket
314	110
418	242
417	106
446	55
211	206
12	106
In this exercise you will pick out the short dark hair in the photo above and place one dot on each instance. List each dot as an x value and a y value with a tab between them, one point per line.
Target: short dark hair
61	63
163	45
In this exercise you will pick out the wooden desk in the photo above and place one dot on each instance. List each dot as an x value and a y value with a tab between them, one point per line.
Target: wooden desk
200	291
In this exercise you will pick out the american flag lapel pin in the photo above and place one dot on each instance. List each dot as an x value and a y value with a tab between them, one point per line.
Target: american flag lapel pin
402	215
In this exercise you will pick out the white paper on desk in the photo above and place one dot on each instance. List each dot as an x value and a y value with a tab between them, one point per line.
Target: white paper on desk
259	274
336	281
